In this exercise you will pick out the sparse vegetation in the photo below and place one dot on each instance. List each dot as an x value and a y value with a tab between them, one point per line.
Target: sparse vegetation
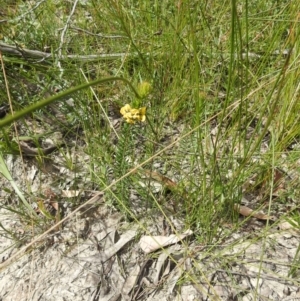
212	120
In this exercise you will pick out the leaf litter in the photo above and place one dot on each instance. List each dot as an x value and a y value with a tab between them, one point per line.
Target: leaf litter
117	270
112	267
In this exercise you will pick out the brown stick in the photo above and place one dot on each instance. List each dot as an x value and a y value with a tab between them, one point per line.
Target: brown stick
39	55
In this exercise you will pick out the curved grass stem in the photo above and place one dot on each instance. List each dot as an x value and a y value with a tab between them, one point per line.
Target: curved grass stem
36	106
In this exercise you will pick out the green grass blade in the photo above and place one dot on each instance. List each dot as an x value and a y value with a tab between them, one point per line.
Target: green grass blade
7	175
10	119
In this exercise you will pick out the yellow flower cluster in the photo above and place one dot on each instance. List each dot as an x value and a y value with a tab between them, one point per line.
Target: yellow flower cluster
133	115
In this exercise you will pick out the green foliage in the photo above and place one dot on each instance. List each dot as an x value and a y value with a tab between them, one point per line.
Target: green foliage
226	73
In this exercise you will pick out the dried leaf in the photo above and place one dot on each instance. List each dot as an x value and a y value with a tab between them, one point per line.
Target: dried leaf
70	193
290	224
124	239
159	178
27	150
55	205
279	184
52	198
152	243
246	211
278	177
175	276
111	251
131	281
160	263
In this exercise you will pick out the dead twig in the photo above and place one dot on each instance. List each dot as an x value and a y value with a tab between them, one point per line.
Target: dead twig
41	56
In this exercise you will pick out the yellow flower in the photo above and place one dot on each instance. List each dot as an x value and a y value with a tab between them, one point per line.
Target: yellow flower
133	115
125	110
139	114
